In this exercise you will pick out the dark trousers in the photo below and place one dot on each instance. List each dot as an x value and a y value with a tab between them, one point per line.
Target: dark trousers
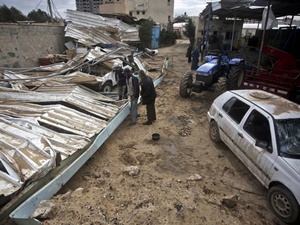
151	114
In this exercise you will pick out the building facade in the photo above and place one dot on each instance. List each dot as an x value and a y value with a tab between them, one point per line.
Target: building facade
160	11
91	6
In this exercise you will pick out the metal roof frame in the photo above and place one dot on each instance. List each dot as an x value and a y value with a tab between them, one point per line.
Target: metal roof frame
251	9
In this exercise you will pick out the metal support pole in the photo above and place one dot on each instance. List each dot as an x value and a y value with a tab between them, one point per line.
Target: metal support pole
263	37
207	29
292	21
50	9
233	29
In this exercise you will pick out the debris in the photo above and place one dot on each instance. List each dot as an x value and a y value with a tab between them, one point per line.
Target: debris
179	208
44	210
132	170
230	201
195	177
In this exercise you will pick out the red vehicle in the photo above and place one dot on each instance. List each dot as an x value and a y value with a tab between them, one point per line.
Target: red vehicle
280	76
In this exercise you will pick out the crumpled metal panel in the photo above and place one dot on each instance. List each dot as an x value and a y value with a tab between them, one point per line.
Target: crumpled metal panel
76	77
124	32
90	101
24	156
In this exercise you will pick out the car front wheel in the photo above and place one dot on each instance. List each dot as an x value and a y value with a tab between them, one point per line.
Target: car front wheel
283	204
214	132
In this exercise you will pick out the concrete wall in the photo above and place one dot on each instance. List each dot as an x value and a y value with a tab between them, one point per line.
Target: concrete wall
22	45
113	7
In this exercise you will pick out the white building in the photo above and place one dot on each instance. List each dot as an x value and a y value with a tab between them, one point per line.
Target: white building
160	11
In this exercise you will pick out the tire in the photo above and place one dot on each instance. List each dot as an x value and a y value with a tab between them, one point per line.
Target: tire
106	87
283	204
214	133
221	86
185	88
236	77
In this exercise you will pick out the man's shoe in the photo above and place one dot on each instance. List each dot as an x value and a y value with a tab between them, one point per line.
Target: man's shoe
131	124
147	123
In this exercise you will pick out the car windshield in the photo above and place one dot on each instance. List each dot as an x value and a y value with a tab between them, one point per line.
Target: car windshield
289	137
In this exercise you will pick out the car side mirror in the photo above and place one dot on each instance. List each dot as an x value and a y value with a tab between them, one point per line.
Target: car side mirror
264	145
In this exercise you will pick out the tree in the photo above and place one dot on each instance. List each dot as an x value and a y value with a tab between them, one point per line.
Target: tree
11	15
39	16
145	33
190	31
17	14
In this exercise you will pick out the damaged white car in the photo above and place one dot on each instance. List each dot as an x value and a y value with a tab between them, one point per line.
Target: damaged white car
263	131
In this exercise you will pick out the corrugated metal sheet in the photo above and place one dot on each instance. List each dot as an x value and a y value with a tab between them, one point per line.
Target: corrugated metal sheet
36	126
23	155
98	28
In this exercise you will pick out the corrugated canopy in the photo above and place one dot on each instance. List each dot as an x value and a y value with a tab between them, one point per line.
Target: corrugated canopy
252	9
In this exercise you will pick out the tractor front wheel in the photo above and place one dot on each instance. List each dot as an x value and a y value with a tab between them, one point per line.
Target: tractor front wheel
185	89
236	77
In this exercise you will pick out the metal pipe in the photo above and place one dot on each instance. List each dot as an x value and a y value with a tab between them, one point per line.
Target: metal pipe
263	36
50	9
291	23
233	28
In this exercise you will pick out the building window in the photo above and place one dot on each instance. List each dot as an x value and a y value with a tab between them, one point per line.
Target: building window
143	12
138	12
130	13
169	18
169	2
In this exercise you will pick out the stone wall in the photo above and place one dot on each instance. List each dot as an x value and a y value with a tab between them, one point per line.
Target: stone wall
22	45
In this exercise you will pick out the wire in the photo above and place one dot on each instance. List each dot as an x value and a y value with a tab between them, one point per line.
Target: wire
38	5
55	10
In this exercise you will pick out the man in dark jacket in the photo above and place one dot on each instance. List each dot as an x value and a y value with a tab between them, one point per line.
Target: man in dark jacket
148	96
121	80
133	92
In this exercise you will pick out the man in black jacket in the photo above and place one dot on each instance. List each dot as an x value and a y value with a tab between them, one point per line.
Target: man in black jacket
148	96
133	92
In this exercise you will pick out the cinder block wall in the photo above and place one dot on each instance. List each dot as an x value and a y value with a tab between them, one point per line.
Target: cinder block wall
22	45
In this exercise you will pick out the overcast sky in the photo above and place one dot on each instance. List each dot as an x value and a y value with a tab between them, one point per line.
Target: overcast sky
191	7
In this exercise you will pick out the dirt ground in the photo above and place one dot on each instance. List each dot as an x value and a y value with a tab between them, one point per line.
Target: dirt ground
162	193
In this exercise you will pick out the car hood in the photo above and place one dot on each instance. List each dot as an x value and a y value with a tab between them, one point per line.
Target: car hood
294	163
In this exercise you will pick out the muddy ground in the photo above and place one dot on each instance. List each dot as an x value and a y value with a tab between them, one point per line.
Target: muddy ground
162	192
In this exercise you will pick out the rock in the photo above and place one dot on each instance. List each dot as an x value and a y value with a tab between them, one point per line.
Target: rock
66	195
195	177
131	170
214	200
230	201
77	193
44	210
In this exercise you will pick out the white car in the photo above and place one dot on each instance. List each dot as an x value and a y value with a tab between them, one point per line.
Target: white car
263	131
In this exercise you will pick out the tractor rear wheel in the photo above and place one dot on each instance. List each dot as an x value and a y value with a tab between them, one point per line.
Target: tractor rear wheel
221	86
185	89
236	77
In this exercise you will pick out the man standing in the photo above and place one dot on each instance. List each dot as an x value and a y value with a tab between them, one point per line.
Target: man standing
195	58
121	80
133	91
148	96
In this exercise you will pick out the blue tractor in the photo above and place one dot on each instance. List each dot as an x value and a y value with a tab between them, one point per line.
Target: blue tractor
217	69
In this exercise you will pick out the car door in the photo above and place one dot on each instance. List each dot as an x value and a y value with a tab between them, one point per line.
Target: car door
229	118
255	141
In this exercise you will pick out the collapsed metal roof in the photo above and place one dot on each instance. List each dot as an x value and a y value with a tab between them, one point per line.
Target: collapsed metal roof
251	9
91	29
32	133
